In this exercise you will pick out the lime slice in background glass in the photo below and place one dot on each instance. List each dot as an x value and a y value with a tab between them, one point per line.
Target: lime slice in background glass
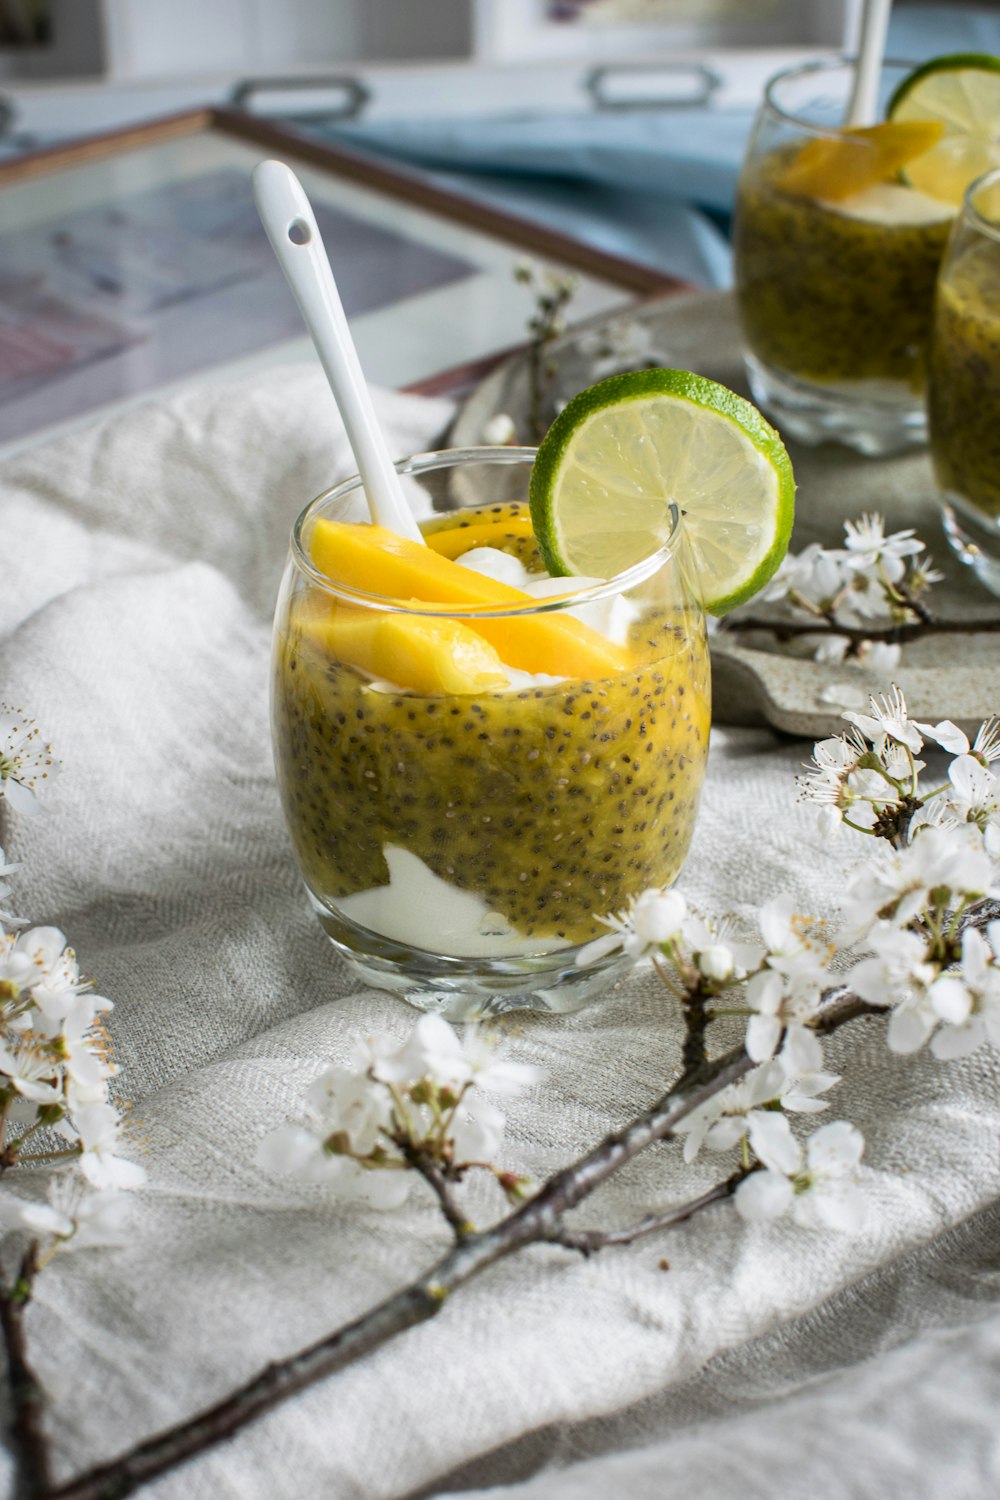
963	93
622	451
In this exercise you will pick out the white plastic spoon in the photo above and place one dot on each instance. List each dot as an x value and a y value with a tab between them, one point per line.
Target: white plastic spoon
291	227
863	106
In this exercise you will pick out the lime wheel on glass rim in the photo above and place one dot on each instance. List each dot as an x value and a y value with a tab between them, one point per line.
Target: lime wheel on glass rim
961	92
622	453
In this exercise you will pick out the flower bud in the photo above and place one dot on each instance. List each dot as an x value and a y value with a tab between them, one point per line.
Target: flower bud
657	915
499	430
715	962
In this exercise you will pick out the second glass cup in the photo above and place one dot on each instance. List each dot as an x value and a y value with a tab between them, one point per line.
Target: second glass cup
469	788
835	296
963	394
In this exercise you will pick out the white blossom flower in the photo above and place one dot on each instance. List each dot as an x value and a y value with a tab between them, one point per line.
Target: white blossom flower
967	1000
819	1186
786	992
898	974
298	1151
348	1103
478	1129
31	1071
7	918
986	746
975	798
832	650
895	885
27	765
97	1129
817	575
435	1051
887	719
880	657
653	918
724	1119
868	546
499	430
75	1217
715	952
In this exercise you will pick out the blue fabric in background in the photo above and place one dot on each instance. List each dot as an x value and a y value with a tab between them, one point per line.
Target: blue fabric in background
654	186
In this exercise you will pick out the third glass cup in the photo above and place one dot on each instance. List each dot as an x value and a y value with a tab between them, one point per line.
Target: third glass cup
963	395
470	788
835	298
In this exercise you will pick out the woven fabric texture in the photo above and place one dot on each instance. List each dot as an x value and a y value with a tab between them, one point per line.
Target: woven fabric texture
140	564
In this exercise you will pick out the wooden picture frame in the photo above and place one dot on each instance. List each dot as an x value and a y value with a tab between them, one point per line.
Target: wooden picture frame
63	203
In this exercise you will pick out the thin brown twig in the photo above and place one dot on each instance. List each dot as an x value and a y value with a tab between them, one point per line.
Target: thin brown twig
540	1220
34	1475
787	630
434	1176
589	1241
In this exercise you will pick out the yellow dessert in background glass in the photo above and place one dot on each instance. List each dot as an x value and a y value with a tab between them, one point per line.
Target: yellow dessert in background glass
964	387
838	237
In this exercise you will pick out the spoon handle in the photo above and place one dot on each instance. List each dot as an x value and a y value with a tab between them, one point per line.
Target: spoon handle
291	227
863	106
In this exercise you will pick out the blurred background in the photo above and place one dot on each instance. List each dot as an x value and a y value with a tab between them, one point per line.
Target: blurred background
616	126
620	121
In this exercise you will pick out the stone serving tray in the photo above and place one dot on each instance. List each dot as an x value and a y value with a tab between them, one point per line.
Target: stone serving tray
943	677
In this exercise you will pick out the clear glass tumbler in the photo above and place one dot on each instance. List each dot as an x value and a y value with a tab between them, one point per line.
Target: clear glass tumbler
835	297
470	788
963	392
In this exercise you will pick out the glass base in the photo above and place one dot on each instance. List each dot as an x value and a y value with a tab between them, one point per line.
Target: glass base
974	538
874	417
461	989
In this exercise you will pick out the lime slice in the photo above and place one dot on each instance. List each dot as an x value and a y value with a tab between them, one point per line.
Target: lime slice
622	452
962	92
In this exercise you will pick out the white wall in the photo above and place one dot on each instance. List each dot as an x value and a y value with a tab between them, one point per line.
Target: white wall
151	38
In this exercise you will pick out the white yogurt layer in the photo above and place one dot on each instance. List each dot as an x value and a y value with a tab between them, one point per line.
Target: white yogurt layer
610	617
891	203
418	907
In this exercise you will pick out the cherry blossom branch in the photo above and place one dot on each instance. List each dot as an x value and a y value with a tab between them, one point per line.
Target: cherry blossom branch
34	1477
539	1221
433	1175
786	630
589	1241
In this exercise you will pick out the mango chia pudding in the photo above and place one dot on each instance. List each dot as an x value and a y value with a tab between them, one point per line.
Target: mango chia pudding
839	289
964	394
477	784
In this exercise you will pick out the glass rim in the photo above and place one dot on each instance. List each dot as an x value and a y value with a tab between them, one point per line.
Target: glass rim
817	66
976	218
451	458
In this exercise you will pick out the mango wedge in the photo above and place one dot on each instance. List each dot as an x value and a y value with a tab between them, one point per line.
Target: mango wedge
427	656
459	539
378	561
836	169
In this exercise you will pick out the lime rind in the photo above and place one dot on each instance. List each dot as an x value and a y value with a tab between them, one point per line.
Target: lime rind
707	536
962	93
954	62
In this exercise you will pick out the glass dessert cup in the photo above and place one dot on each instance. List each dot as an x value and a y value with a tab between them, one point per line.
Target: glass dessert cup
835	297
460	844
963	389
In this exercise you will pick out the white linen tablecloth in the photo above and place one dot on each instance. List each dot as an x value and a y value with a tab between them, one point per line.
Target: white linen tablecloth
140	563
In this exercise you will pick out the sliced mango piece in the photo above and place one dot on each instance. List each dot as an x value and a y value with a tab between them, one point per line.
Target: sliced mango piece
835	169
377	561
428	656
457	540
